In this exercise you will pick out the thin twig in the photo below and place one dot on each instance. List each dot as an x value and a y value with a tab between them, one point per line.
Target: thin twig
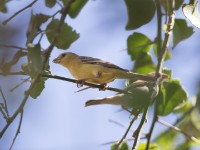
127	130
18	129
18	85
178	130
85	83
18	12
73	81
13	46
137	132
5	103
159	52
3	113
170	26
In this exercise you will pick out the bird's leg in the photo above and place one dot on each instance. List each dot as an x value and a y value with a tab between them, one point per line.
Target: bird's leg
80	82
103	87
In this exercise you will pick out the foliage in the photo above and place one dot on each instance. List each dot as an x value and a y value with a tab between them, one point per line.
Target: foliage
143	50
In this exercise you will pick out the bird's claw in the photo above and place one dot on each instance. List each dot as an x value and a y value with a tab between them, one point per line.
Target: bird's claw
103	87
80	83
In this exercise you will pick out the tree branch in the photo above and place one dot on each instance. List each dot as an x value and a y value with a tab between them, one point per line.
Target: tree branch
18	12
178	130
18	129
13	46
127	130
5	104
137	132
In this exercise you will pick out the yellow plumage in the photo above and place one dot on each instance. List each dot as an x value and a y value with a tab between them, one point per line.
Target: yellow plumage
93	70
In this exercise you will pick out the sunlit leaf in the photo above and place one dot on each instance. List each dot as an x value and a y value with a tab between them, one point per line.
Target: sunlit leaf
152	146
157	53
144	64
76	7
138	43
65	37
181	31
140	12
191	12
171	96
123	146
168	136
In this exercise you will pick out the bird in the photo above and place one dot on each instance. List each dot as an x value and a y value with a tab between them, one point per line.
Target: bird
94	70
140	93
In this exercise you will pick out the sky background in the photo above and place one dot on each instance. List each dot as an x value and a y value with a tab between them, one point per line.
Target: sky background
57	119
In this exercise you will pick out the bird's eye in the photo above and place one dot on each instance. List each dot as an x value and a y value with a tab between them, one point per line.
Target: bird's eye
63	55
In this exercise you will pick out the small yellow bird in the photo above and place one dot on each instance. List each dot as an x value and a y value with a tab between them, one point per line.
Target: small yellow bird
96	71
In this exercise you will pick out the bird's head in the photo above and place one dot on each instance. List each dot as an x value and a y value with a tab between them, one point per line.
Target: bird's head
64	58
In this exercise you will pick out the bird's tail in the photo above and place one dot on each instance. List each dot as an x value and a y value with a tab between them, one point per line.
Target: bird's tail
95	102
114	100
136	76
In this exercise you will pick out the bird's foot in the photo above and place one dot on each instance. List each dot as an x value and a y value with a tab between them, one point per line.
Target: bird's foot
80	82
103	87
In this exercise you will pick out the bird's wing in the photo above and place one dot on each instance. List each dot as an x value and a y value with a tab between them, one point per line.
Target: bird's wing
96	61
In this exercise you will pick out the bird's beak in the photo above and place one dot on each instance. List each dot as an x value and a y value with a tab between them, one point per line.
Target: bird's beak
57	60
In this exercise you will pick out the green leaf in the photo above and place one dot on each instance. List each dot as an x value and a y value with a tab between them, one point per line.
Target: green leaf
171	96
168	136
34	26
152	146
34	59
167	56
113	146
181	31
66	35
140	12
178	4
138	43
76	7
198	99
144	64
123	146
37	90
3	7
191	12
50	3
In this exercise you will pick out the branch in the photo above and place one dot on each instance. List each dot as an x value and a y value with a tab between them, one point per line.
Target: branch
170	26
18	12
13	46
18	129
72	81
159	50
137	132
85	83
178	130
127	130
162	50
5	104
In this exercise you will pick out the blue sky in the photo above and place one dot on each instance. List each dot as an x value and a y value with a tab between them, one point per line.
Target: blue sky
58	119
